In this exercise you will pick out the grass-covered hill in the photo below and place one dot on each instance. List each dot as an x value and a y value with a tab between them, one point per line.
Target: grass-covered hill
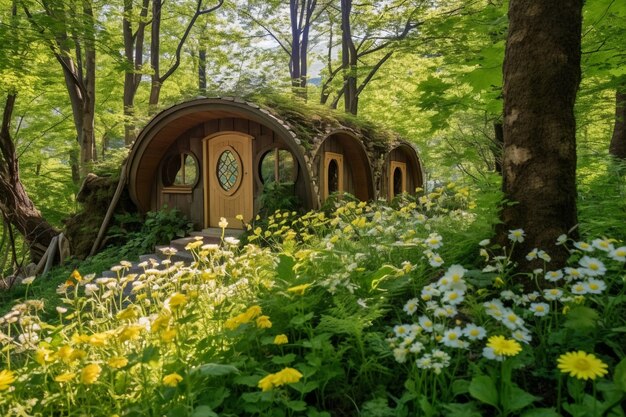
362	310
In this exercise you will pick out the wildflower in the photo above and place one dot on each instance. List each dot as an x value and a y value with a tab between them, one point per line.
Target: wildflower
223	223
473	332
231	240
263	322
426	324
76	275
428	292
90	373
544	256
539	309
399	354
579	288
6	379
552	294
512	320
43	355
402	330
434	240
595	286
168	335
130	333
361	302
593	267
561	239
281	339
129	313
573	273
618	254
489	354
484	242
554	276
582	365
452	337
504	347
171	380
453	297
286	376
239	217
65	377
117	362
516	235
28	281
177	300
411	306
603	244
583	246
435	260
522	335
299	289
91	289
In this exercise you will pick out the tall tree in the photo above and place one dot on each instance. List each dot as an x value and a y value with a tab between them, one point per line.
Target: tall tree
617	148
134	54
158	78
541	79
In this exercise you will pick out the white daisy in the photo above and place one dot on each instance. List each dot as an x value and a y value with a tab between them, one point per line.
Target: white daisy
593	267
539	309
516	235
473	332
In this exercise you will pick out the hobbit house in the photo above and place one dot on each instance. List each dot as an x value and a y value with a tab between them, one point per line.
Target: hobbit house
219	157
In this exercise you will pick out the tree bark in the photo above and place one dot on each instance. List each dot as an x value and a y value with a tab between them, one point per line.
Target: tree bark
348	59
17	207
496	146
617	147
541	78
202	70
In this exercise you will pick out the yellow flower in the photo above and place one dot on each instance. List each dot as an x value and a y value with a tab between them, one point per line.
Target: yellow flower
172	380
168	335
65	377
76	275
43	355
65	353
90	373
581	365
130	333
129	313
299	289
77	354
504	347
6	379
117	362
286	376
253	312
98	339
281	339
263	322
159	323
178	300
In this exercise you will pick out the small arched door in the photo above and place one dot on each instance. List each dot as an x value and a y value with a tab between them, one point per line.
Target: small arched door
228	179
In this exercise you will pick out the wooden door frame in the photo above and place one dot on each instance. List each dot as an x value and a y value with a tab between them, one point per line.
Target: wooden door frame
329	156
392	169
206	167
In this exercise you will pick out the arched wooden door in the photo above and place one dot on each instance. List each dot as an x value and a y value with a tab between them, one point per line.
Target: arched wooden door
228	179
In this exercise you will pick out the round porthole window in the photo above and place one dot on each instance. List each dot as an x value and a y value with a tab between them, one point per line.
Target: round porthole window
180	170
228	170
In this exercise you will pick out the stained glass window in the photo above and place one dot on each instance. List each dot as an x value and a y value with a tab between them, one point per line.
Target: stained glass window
227	170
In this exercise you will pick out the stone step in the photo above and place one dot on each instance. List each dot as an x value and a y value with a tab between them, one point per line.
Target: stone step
181	244
217	232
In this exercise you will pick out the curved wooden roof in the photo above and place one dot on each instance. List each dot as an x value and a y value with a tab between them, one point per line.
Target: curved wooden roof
301	126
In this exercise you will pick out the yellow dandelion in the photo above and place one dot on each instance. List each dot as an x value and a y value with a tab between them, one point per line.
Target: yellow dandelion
117	362
129	313
286	376
98	339
90	373
263	322
77	354
178	300
65	377
172	379
43	356
6	379
65	353
160	323
130	333
168	335
582	365
76	275
504	347
299	289
281	339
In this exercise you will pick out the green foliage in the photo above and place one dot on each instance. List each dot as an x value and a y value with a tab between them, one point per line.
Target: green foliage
277	196
138	235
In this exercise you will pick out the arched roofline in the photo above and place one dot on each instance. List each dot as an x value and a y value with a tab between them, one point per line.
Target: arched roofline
190	114
411	151
360	148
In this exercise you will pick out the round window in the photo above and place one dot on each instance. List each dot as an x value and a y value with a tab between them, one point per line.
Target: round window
278	165
180	170
228	170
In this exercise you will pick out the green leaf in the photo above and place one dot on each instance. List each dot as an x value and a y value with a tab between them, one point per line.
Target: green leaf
483	389
285	267
461	410
619	376
581	317
214	369
429	410
460	386
541	412
149	354
296	405
203	411
283	360
518	399
382	273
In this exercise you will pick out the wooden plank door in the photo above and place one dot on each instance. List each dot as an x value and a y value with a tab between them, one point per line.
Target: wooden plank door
228	173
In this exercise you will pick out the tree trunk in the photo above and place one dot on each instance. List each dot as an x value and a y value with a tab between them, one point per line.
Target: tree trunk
17	207
618	140
349	60
155	52
541	78
202	70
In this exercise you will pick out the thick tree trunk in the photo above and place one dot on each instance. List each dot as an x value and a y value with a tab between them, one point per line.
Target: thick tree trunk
155	58
17	207
349	60
541	78
618	140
